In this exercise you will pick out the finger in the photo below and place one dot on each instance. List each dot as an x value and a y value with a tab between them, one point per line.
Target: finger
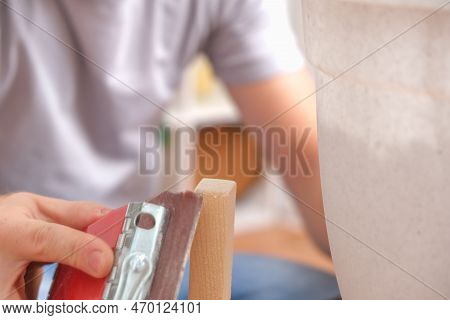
75	214
51	242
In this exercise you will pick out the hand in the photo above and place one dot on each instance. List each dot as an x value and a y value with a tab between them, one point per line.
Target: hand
34	228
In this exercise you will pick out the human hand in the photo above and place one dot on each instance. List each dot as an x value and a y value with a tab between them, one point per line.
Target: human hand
34	228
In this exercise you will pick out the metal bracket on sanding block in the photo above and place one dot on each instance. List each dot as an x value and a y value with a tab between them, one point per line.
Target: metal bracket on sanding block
137	252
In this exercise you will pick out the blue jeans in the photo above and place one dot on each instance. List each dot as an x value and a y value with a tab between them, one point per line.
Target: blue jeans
258	277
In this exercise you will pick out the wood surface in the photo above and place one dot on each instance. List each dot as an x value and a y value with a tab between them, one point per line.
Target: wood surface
228	152
279	241
212	249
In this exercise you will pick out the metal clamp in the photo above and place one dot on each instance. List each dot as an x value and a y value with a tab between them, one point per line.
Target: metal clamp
137	252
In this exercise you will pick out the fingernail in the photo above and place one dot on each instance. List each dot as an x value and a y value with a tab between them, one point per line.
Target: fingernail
95	260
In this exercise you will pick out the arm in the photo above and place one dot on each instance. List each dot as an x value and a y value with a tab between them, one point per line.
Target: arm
263	101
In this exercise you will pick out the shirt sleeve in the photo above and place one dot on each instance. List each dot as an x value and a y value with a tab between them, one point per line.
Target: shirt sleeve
252	41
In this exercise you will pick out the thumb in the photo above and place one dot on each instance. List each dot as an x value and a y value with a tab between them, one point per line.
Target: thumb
51	242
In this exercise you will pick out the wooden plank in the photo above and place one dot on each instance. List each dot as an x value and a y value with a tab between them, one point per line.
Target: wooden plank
212	249
293	244
220	155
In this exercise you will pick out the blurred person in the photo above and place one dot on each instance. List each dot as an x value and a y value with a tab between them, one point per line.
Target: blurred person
78	78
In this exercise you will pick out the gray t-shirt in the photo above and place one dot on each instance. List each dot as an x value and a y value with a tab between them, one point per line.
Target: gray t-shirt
77	78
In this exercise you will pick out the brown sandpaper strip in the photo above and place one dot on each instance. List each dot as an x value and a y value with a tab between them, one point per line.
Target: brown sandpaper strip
184	211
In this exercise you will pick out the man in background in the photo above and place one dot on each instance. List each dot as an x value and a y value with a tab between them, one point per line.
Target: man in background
78	78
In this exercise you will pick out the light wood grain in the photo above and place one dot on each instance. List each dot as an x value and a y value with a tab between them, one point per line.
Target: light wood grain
212	249
289	243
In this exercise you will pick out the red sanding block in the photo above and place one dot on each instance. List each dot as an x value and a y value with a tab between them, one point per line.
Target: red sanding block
151	242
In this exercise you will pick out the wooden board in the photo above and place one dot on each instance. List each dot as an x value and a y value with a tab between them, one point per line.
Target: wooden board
212	249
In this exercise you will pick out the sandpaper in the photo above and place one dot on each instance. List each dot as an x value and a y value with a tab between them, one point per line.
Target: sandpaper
184	211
